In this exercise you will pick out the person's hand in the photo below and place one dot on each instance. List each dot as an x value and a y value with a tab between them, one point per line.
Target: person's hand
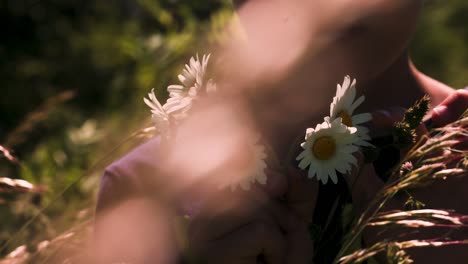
451	108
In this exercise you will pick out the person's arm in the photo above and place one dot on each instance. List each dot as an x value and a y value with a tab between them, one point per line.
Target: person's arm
132	224
131	176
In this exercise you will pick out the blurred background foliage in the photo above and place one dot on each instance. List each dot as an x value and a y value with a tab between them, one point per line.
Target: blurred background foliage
440	47
73	75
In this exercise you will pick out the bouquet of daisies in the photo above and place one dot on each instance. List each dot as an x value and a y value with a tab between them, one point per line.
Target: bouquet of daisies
328	148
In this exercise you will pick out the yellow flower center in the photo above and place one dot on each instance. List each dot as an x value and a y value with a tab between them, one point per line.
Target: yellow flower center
346	118
324	148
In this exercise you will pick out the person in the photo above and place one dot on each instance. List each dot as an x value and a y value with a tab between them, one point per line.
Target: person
296	52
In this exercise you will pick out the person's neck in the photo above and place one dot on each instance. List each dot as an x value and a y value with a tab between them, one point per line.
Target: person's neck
400	85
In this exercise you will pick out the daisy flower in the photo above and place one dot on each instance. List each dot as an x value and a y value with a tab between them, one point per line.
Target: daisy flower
344	105
178	106
328	148
159	115
250	166
193	81
192	76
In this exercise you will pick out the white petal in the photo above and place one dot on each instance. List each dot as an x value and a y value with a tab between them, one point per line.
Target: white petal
302	155
348	98
151	104
181	78
333	107
364	143
324	178
361	118
333	176
352	159
349	149
355	105
352	89
352	130
245	185
346	82
304	162
338	90
309	131
362	129
177	105
321	174
312	171
211	87
176	88
341	167
193	91
262	178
